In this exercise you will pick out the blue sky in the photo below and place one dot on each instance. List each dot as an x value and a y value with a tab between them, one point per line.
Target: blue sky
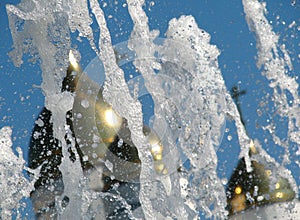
21	101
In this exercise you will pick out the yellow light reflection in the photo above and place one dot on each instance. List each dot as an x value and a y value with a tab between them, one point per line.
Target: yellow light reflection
156	151
111	118
268	173
279	195
238	190
73	60
252	147
238	203
277	186
160	167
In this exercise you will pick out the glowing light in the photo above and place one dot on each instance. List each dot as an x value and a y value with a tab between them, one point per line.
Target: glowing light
156	146
238	203
160	168
111	118
73	60
279	195
156	151
238	190
277	186
252	147
268	172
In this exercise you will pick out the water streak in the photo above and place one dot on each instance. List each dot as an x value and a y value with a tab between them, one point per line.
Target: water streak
182	75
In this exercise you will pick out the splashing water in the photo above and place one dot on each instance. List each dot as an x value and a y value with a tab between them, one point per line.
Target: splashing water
275	69
14	186
192	120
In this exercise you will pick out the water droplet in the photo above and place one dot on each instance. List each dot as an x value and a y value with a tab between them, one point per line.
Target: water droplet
229	137
120	143
109	165
85	158
85	103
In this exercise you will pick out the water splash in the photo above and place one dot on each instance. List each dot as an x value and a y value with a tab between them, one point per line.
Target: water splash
203	94
129	108
276	69
14	186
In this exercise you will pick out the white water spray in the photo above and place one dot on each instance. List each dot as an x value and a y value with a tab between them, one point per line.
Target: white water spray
202	104
14	186
276	69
